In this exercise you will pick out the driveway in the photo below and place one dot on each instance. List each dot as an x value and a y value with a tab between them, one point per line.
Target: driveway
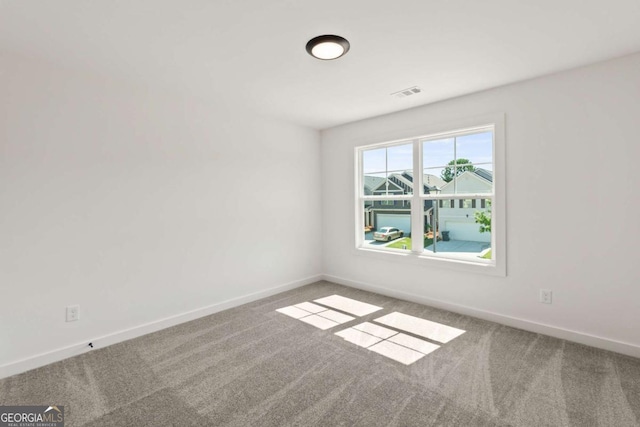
456	246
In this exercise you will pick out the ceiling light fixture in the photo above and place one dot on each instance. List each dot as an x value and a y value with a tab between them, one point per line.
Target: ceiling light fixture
327	47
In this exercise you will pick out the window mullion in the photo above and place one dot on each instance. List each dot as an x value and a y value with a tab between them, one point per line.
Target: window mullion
455	164
386	170
417	216
359	191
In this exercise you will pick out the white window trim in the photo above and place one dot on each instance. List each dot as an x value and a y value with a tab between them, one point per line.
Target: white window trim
498	208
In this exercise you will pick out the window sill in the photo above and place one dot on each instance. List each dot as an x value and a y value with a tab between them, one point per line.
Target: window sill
433	261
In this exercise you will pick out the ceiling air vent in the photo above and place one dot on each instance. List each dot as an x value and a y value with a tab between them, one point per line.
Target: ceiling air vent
407	92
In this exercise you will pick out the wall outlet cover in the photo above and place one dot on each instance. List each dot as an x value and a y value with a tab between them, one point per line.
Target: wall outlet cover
545	296
73	313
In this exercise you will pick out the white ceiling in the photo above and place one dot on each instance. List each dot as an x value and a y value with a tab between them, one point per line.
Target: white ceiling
253	51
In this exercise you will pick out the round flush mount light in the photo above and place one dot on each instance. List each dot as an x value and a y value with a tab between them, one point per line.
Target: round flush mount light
327	47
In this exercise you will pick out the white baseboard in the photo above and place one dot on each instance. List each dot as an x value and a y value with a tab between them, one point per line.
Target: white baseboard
527	325
39	360
43	359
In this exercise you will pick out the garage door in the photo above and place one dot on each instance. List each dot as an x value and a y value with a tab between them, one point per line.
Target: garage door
403	222
466	231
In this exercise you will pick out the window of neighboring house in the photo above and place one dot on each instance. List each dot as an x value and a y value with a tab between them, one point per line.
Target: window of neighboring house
450	170
446	204
466	203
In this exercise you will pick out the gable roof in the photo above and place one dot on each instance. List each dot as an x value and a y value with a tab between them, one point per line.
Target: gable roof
432	181
428	180
482	175
390	186
371	183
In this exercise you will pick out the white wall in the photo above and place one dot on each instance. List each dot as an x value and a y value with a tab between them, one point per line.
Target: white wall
140	206
572	207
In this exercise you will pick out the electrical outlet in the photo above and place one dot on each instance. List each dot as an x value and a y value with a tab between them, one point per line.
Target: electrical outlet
545	296
73	313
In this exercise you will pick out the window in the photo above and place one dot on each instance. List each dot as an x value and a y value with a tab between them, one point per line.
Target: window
439	192
446	204
467	203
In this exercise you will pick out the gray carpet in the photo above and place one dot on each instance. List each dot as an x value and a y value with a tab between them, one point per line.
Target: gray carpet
251	366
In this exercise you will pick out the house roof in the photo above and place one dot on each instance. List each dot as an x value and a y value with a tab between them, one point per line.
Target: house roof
371	183
484	173
479	174
403	178
390	185
428	180
432	181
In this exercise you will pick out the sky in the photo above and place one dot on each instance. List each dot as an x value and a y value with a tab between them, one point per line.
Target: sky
436	154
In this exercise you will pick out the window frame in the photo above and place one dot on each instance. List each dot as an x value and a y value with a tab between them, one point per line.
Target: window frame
417	255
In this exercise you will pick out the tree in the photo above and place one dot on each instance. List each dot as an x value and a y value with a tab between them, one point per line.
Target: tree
484	218
448	172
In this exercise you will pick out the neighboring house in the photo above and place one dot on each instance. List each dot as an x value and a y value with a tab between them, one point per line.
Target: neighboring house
458	216
394	213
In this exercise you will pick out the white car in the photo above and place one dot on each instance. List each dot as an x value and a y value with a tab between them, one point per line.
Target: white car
386	234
